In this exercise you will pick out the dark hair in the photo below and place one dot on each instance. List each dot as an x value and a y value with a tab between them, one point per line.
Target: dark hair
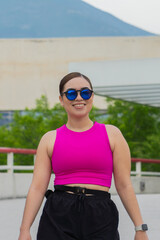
68	77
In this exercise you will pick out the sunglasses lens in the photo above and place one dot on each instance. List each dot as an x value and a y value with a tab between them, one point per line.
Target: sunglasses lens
86	94
71	94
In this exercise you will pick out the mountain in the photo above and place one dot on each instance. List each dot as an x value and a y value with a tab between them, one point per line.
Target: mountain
59	18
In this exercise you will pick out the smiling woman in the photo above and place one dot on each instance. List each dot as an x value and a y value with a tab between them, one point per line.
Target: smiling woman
83	155
76	94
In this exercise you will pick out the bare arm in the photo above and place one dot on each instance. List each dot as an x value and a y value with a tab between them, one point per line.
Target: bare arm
121	170
40	181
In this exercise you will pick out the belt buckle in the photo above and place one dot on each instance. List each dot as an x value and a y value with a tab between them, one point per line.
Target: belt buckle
80	190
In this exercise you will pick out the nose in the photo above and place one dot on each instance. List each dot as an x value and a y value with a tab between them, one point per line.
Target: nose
78	96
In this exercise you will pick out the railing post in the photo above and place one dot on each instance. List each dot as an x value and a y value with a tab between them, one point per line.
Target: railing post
138	169
10	162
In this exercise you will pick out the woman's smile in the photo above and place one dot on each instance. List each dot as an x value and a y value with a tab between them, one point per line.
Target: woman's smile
79	105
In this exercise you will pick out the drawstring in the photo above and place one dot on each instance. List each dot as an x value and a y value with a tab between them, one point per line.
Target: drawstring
80	201
80	193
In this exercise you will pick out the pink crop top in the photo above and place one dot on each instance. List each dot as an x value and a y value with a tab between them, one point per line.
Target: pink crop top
82	157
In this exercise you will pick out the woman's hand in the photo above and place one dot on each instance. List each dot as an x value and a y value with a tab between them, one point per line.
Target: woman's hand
140	235
24	235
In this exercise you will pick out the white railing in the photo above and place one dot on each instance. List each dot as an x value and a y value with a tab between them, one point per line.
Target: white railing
10	167
138	172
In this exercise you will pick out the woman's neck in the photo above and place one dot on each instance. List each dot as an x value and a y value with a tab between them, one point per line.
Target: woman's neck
79	125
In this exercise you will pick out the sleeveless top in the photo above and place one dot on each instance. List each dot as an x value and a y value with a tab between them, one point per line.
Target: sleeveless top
82	157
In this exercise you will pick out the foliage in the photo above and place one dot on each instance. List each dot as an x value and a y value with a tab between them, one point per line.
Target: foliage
29	126
140	125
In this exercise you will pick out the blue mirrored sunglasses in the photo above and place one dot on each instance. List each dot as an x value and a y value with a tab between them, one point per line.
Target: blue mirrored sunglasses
72	93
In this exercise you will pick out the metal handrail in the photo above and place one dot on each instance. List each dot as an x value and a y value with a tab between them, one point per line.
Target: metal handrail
10	167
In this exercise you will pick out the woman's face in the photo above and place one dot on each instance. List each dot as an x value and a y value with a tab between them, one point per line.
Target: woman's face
78	107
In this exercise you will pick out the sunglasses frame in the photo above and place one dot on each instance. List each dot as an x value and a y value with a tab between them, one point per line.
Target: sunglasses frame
77	92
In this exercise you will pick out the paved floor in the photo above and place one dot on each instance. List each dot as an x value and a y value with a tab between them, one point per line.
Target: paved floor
11	214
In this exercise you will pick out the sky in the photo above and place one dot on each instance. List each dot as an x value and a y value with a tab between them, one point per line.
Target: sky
144	14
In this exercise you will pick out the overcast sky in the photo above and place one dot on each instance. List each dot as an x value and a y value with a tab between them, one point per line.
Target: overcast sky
141	13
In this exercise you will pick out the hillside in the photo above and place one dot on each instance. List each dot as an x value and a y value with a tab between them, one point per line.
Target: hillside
59	18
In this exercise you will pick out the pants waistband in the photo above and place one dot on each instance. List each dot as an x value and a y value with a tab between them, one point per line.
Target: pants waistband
81	190
79	193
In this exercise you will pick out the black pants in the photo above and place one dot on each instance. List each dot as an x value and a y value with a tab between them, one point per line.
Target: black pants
77	216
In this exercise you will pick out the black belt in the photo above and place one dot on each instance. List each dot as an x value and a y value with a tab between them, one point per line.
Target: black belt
80	192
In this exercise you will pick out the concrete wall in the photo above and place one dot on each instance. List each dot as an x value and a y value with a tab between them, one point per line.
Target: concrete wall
17	185
32	67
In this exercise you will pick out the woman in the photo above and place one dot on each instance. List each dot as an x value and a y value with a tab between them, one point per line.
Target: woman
83	154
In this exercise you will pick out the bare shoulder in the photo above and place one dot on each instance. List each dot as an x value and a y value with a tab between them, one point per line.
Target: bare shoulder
47	141
48	135
114	134
113	129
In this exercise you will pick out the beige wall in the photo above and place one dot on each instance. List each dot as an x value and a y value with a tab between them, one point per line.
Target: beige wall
32	67
16	185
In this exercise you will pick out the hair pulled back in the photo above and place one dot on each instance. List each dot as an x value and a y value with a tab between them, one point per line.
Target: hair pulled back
69	76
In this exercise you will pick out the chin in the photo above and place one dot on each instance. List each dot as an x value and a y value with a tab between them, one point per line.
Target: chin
79	114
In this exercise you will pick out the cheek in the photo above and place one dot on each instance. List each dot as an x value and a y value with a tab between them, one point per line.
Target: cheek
67	106
89	105
90	102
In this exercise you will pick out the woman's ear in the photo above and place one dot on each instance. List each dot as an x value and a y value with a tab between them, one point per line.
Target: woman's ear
61	100
93	95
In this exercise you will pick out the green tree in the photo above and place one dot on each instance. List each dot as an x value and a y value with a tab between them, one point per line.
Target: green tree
140	125
29	126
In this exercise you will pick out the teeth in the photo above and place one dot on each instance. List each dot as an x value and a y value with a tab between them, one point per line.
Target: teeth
79	105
